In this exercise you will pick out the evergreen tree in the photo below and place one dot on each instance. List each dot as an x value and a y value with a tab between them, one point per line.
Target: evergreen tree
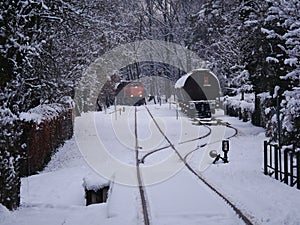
282	30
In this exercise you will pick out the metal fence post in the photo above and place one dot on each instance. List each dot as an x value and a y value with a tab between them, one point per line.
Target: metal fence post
266	157
276	161
298	169
285	166
291	169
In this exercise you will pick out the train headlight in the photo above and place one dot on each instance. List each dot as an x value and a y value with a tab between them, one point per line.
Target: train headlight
131	96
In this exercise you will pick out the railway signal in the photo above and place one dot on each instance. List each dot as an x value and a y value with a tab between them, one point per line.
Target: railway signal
225	149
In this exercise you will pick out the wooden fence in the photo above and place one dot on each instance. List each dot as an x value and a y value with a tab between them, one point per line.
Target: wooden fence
43	139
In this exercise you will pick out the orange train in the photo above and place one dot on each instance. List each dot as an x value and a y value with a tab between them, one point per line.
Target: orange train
130	93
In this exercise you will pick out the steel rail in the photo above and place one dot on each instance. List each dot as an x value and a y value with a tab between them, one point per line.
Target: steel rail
139	175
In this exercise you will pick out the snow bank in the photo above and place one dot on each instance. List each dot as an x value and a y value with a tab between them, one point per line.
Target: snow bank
5	215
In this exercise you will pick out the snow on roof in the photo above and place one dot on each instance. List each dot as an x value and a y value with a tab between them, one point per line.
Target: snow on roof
94	182
181	81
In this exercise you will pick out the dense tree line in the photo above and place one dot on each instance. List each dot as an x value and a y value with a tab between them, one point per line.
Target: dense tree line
45	45
254	46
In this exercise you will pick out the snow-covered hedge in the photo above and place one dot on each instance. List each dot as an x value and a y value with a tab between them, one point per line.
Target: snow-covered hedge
239	108
291	116
45	127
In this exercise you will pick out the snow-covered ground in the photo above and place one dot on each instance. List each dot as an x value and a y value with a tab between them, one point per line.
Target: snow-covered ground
56	195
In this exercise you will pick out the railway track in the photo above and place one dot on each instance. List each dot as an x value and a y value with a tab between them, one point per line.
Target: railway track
139	175
244	216
142	160
180	143
203	145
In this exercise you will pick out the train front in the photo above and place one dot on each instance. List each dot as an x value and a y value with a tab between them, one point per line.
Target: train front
198	93
131	93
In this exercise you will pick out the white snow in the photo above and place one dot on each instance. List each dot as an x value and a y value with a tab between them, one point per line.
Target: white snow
43	112
236	102
5	215
291	61
276	89
272	59
94	182
180	82
56	195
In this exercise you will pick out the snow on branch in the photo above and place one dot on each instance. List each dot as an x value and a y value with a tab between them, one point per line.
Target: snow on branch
272	59
291	61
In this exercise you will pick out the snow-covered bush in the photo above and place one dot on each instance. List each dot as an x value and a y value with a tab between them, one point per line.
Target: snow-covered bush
240	108
291	117
266	110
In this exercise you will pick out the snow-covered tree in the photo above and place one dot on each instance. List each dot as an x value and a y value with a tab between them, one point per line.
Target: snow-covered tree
215	34
282	29
21	44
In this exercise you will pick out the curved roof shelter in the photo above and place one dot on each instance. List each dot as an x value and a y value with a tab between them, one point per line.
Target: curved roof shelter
200	84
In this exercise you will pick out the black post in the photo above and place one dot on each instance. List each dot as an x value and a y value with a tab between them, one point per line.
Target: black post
285	165
278	120
280	163
298	169
271	156
266	157
291	169
225	157
276	161
225	149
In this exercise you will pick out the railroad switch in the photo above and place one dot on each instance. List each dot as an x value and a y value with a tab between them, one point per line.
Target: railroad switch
225	149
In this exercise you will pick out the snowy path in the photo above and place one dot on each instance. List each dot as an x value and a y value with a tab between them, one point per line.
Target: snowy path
56	195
